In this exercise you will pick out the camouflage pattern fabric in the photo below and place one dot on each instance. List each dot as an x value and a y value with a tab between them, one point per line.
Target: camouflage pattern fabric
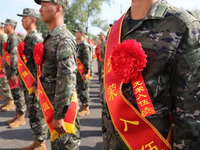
17	93
92	50
35	115
36	118
171	39
100	64
59	75
3	39
83	86
4	85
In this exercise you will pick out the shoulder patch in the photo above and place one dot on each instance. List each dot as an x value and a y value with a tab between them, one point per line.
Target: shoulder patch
193	58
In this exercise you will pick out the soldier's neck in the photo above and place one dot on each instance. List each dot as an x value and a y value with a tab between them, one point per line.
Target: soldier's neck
140	8
55	23
31	29
11	32
80	40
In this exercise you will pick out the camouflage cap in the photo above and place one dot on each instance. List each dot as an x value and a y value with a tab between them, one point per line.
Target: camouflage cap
102	33
63	3
30	12
1	24
11	22
80	29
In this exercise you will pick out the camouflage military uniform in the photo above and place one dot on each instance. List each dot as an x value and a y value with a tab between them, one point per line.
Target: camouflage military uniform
17	93
91	48
59	78
35	115
4	85
171	40
83	86
99	63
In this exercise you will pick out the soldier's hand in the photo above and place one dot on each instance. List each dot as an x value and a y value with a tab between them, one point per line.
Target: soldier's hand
85	77
58	125
14	79
4	70
35	90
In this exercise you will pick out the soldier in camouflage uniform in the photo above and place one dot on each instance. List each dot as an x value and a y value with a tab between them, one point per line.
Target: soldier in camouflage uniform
102	37
35	115
3	39
171	39
92	50
11	73
59	69
83	81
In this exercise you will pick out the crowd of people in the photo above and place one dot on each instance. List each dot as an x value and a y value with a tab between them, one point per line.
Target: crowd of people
148	70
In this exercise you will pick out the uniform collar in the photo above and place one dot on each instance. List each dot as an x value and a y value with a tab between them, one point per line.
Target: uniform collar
157	10
57	30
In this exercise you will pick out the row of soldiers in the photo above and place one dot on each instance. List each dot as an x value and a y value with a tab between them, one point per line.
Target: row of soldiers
60	73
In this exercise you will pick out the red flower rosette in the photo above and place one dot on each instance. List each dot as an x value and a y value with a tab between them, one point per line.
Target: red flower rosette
38	53
128	58
5	45
20	48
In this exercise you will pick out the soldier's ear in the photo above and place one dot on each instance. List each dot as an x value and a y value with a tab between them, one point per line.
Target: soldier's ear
59	8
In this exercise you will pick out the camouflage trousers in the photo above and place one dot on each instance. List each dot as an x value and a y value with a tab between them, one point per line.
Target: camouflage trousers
36	118
82	88
100	67
91	69
17	94
6	88
67	141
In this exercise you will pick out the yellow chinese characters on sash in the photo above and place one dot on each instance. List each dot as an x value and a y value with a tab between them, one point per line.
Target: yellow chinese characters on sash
135	130
81	68
48	111
26	75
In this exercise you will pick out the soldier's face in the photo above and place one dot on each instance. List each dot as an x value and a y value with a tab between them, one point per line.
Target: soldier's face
7	28
26	22
48	11
78	35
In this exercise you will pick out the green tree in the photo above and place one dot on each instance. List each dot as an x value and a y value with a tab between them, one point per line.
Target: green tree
42	27
196	13
85	13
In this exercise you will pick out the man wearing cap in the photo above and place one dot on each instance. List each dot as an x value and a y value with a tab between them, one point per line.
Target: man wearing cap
10	68
30	18
100	50
58	71
3	39
83	81
6	91
92	49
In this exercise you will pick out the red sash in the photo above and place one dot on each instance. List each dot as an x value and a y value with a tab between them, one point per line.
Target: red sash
7	58
47	108
135	130
26	75
1	67
81	68
99	53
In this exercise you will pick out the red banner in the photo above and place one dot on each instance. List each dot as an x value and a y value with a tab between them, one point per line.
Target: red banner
135	130
81	68
48	112
1	67
26	75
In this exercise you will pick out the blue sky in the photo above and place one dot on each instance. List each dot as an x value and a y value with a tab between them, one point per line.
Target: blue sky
9	9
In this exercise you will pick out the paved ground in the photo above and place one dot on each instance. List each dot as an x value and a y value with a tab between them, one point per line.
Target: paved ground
14	139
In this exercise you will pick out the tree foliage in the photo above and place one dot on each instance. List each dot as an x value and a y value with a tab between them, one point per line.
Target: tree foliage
85	13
